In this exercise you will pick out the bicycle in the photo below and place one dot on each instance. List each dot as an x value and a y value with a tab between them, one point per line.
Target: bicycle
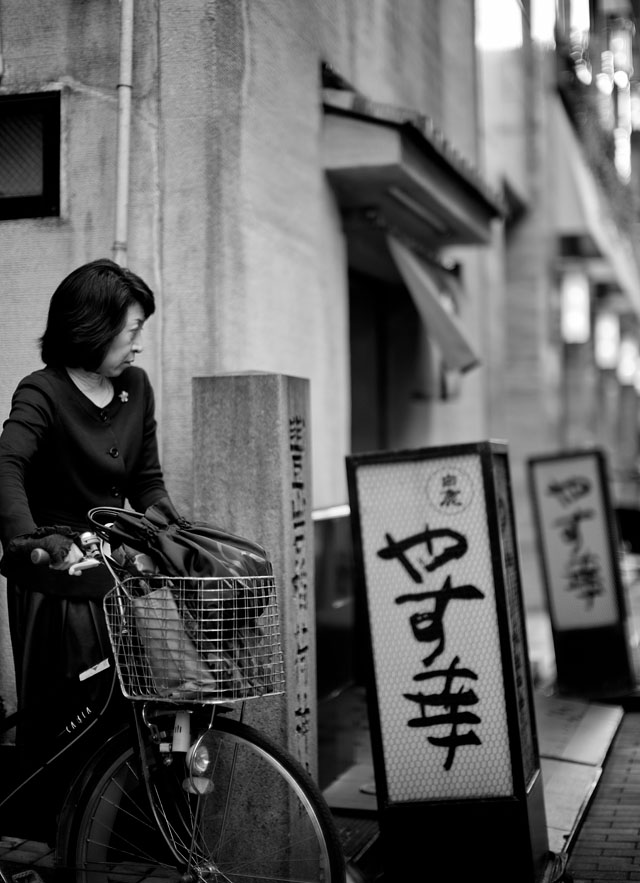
185	791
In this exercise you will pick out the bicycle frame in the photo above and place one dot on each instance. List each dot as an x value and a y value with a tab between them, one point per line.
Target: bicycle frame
85	731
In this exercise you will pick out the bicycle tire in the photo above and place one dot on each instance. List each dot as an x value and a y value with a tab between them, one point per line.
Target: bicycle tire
262	818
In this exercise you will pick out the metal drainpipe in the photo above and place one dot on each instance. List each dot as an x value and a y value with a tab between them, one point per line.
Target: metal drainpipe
125	85
1	48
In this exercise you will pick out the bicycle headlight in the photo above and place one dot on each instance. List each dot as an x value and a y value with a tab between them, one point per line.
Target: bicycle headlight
198	759
199	766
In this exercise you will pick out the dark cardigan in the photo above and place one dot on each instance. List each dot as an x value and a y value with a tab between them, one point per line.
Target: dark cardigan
61	455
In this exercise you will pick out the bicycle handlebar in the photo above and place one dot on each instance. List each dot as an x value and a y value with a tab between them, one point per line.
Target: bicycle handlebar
88	541
41	558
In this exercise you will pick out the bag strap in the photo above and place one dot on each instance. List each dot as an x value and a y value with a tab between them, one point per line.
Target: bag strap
111	523
99	514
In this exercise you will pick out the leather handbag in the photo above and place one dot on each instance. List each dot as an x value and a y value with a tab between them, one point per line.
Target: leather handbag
184	548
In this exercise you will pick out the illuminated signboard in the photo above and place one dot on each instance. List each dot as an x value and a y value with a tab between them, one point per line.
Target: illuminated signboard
574	533
436	547
578	549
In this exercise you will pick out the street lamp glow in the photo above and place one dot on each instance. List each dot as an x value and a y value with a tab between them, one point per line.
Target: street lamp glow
575	317
607	340
628	361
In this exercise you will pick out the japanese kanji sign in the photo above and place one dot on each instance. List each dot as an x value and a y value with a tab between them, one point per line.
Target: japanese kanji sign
574	532
441	580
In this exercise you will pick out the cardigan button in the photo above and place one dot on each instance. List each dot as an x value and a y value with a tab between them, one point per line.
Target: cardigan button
115	492
114	452
103	416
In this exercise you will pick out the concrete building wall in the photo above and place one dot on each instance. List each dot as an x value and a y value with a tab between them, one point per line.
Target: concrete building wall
252	269
37	253
514	86
389	52
255	254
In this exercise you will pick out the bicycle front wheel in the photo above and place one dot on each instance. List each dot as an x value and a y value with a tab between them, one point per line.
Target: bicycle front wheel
248	814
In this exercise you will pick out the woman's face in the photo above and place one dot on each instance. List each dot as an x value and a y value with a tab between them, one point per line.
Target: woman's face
124	346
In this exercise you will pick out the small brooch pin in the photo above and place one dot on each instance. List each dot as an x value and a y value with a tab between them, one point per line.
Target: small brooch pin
124	396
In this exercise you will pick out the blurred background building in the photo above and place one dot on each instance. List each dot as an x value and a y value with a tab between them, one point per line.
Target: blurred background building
428	208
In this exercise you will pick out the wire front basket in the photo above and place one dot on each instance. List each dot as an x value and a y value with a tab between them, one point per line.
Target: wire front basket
201	640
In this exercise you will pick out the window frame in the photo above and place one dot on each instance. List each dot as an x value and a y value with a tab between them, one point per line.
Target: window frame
47	203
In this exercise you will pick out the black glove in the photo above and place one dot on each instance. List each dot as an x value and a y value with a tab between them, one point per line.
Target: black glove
56	541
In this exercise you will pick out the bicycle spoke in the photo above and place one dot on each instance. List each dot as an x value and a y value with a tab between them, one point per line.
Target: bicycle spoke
259	818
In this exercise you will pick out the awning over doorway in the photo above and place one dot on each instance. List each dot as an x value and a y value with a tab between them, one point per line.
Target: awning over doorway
405	193
426	284
581	213
392	162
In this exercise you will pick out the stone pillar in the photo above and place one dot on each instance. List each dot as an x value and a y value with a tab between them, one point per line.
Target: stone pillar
252	476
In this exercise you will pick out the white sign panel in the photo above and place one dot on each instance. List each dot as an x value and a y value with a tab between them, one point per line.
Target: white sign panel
575	541
434	628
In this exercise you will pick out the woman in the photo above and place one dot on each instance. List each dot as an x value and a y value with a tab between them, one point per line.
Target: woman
81	433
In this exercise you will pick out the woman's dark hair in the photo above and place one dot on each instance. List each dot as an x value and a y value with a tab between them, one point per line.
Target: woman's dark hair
87	310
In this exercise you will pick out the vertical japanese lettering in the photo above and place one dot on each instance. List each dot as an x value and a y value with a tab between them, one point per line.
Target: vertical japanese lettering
300	576
421	555
583	570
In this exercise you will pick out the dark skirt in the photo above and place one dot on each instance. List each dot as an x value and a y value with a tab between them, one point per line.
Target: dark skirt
56	643
66	710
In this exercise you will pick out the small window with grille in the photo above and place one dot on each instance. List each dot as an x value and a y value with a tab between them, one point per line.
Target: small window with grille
29	155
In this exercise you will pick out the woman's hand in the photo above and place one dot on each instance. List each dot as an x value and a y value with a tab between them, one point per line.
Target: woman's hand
72	557
59	542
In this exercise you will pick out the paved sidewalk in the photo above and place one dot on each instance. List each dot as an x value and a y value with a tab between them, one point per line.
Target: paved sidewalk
607	847
25	861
